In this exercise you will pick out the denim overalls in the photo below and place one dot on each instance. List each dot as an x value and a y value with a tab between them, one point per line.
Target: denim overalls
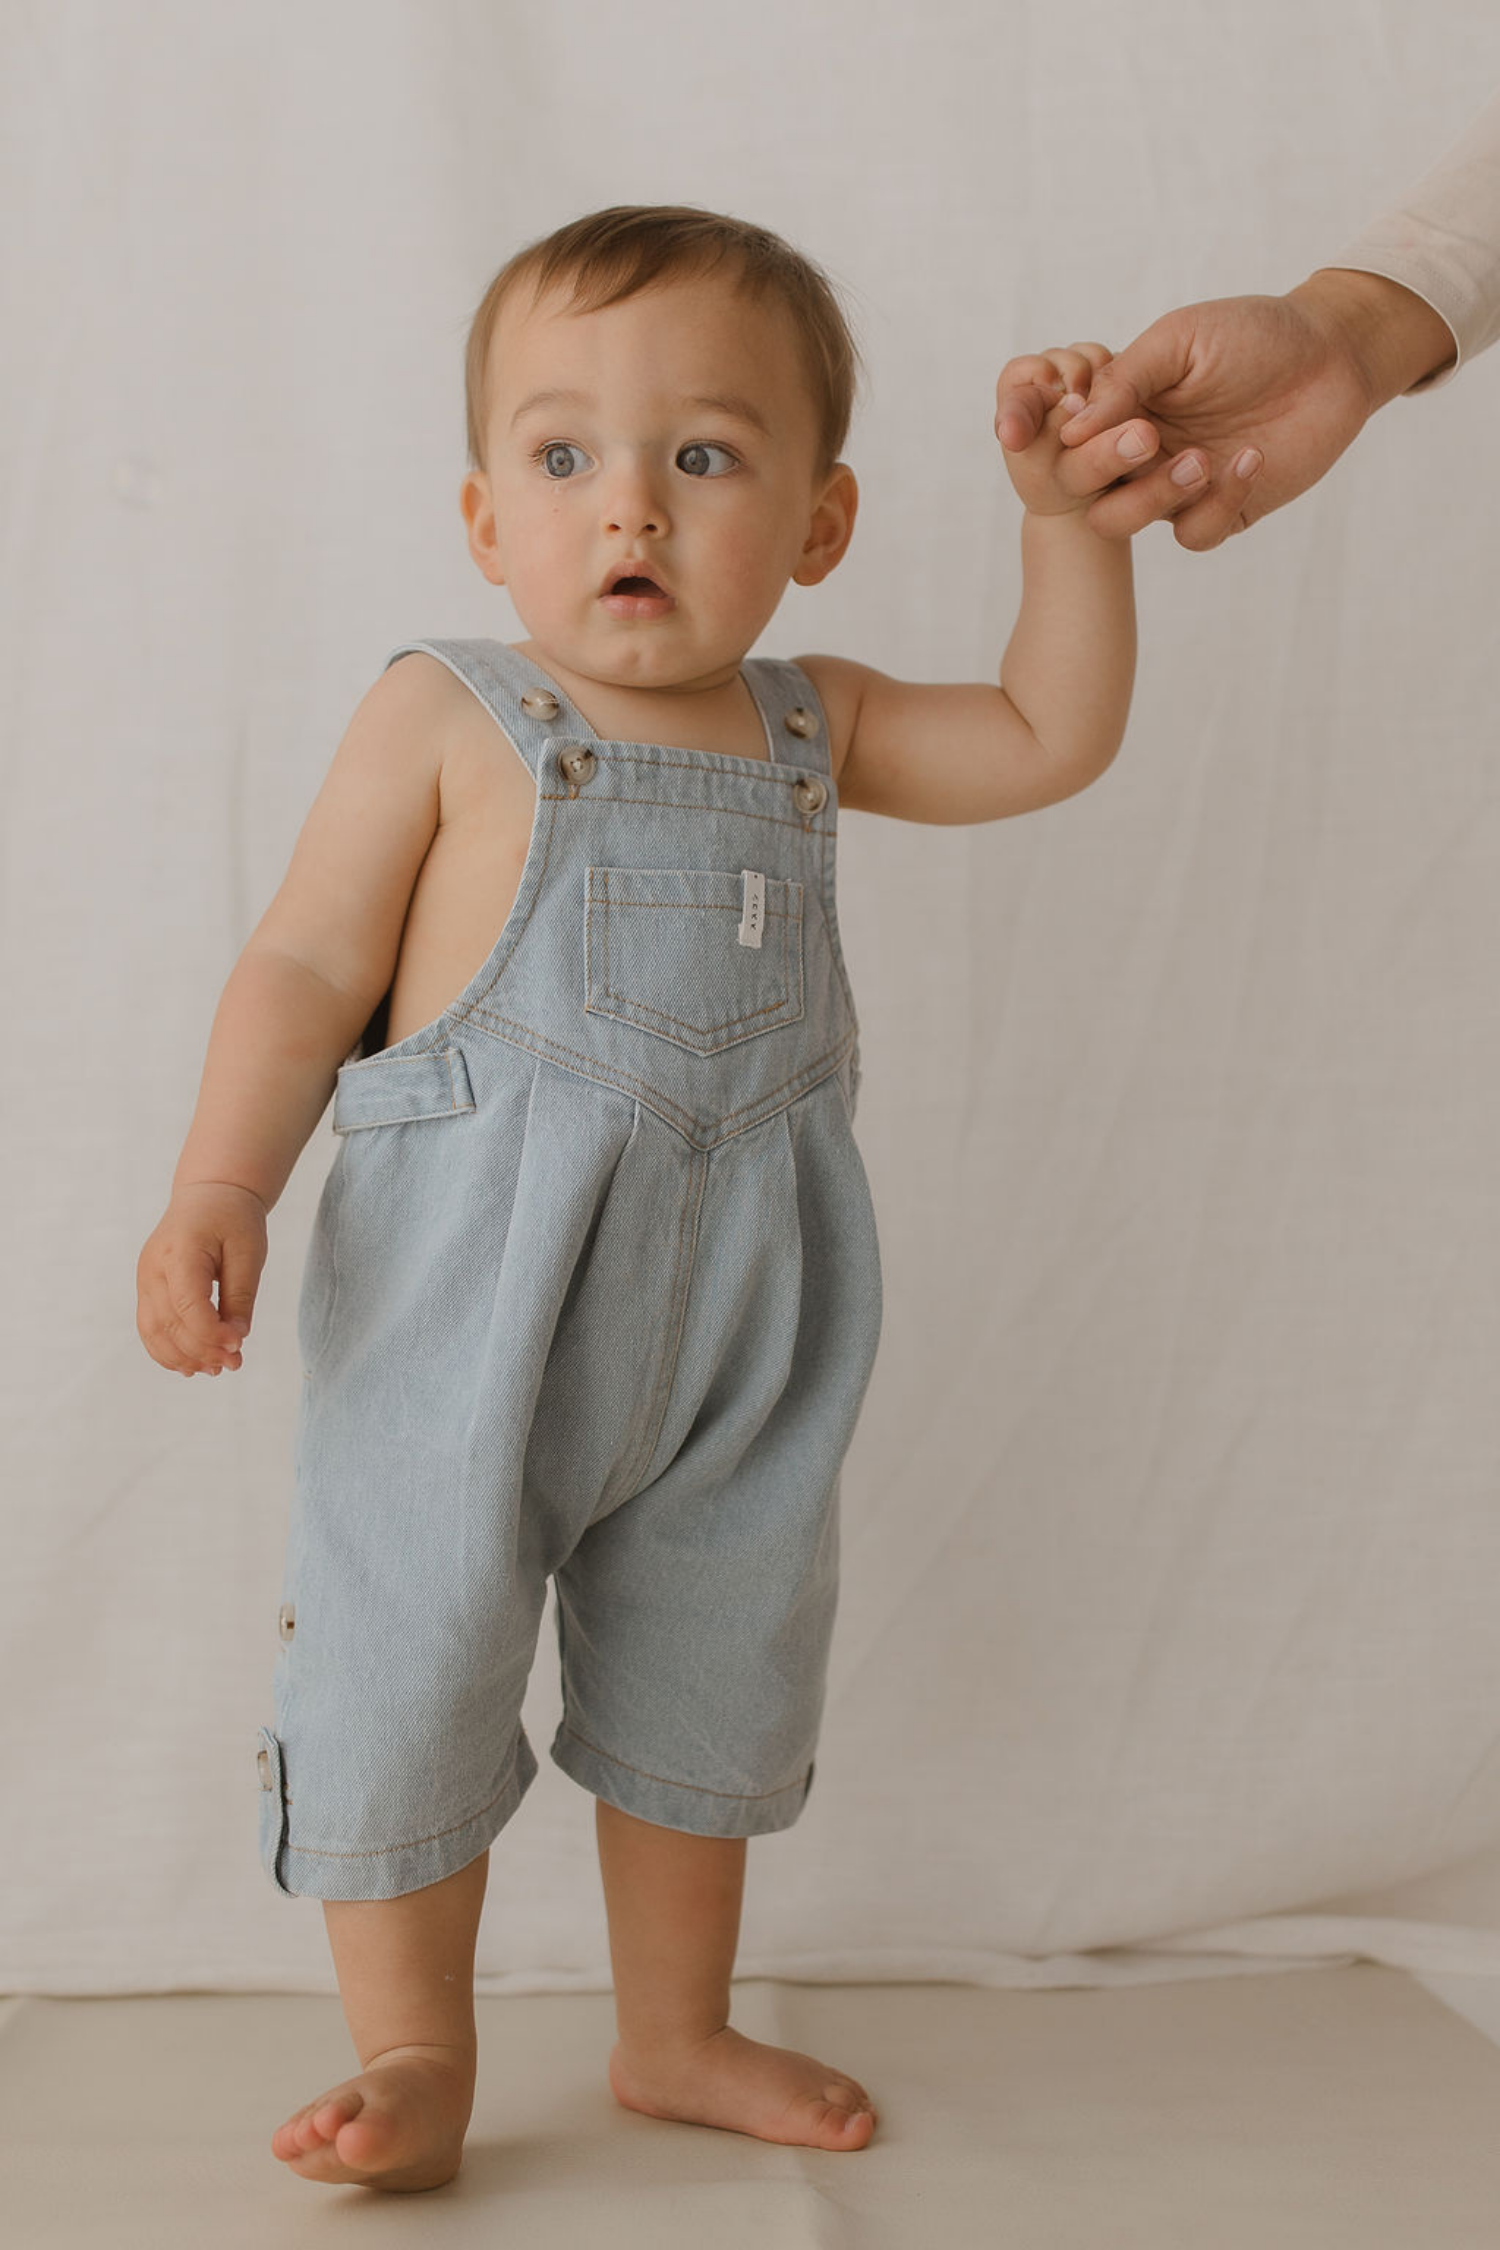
593	1293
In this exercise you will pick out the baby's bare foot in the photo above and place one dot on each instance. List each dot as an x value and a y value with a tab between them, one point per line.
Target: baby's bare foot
746	2087
398	2125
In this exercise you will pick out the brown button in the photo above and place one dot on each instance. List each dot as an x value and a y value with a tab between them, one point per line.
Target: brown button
263	1762
577	763
801	722
286	1620
809	793
540	703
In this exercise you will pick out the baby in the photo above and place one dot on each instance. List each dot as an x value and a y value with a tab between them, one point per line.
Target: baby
593	1292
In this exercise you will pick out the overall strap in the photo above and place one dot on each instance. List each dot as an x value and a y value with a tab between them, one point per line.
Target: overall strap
520	699
533	711
794	716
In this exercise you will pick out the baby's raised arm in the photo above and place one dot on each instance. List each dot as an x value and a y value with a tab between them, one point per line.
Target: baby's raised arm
308	980
972	751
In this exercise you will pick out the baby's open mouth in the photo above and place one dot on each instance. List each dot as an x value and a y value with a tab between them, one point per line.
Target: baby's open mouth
636	594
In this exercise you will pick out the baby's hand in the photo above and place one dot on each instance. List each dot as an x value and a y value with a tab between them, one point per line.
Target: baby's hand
211	1230
1048	389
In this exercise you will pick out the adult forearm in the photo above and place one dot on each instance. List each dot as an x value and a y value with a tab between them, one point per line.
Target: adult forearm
1070	663
1394	336
278	1037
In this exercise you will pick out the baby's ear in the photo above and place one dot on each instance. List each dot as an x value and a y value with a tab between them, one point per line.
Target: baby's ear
478	510
831	528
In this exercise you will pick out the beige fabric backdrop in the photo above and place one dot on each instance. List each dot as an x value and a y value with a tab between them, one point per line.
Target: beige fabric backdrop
1168	1639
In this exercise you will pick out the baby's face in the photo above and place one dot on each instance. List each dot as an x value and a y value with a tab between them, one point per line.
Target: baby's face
672	436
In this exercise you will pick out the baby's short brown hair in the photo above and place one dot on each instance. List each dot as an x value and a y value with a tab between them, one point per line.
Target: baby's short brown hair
610	255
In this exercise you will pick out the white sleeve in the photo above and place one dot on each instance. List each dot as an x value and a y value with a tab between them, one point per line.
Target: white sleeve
1442	241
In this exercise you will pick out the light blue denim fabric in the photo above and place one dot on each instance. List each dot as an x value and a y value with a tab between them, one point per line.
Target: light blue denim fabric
593	1292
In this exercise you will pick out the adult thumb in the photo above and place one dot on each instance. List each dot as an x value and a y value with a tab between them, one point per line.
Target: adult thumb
1134	377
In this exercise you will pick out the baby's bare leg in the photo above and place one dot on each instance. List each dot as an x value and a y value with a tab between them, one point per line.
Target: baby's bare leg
673	1902
406	1979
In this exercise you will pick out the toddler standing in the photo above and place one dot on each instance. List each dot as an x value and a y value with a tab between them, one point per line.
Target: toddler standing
593	1291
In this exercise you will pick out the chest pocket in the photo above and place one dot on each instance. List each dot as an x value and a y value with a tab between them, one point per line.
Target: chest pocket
665	949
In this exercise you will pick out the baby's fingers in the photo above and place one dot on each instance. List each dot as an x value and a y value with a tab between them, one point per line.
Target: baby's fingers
191	1322
1023	400
177	1320
1031	386
239	1278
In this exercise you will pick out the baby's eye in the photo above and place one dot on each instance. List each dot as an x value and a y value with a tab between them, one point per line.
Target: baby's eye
556	460
694	461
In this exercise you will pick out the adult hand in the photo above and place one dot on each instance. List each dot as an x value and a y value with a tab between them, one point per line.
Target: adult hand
1261	393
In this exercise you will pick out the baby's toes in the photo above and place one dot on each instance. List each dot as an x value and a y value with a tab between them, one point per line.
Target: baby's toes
364	2142
315	2126
309	2134
298	2134
284	2141
335	2111
839	2125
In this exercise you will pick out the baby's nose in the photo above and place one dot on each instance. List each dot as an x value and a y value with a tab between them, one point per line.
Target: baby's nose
633	503
622	518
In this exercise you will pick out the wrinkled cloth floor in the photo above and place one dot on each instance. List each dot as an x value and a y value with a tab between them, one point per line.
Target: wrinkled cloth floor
1342	2109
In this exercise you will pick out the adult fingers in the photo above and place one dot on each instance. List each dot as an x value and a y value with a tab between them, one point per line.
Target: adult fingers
1228	507
1115	453
1204	509
1134	377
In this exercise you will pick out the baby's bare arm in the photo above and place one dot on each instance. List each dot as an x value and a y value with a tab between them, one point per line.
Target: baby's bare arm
966	751
969	751
296	1000
279	1034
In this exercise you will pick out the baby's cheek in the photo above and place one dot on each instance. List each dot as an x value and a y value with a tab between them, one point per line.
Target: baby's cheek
758	593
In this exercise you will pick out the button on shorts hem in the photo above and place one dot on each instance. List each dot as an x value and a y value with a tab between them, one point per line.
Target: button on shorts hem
399	1868
677	1804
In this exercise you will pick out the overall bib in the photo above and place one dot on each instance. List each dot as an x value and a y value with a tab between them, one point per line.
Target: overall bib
593	1293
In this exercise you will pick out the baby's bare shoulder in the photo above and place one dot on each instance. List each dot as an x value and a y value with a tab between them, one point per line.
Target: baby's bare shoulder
387	770
417	690
343	900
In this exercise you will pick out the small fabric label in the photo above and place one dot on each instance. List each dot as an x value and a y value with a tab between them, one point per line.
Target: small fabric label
753	913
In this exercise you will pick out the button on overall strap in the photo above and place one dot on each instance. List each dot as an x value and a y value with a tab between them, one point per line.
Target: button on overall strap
793	713
525	706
